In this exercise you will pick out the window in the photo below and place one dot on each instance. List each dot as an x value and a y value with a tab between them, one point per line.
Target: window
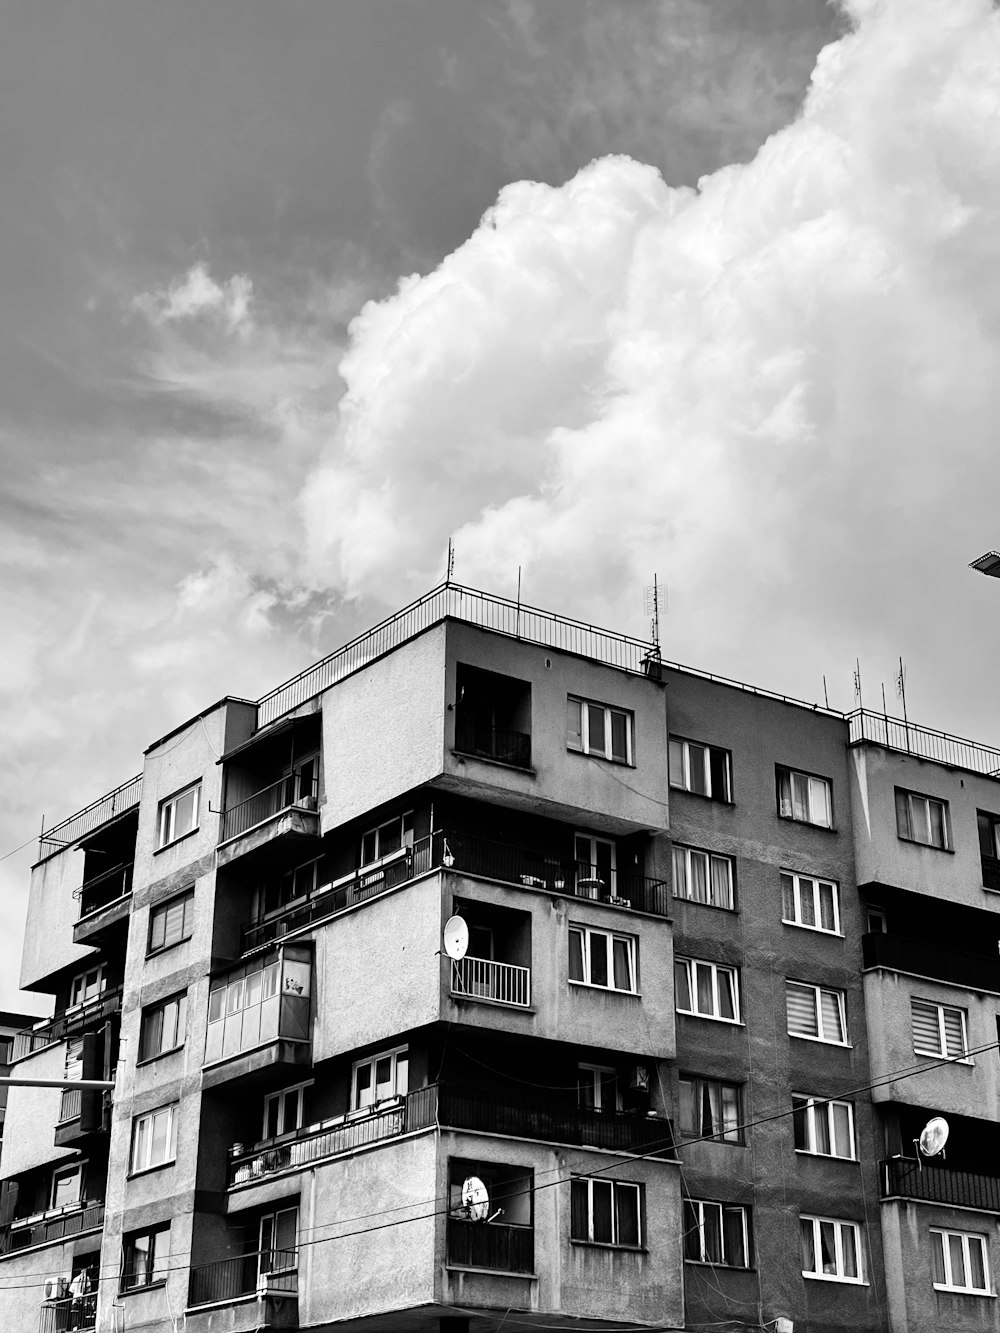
171	922
816	1013
67	1186
939	1029
154	1138
595	860
875	920
921	819
277	1242
707	990
703	877
597	958
825	1128
831	1249
702	769
382	1076
599	729
87	986
804	798
389	837
162	1027
598	1088
606	1212
959	1263
284	1111
710	1110
812	903
144	1258
716	1233
178	815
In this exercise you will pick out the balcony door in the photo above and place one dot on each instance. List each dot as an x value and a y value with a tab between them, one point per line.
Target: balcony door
595	866
276	1252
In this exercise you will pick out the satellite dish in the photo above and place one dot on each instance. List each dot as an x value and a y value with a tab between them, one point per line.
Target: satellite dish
456	943
933	1136
476	1198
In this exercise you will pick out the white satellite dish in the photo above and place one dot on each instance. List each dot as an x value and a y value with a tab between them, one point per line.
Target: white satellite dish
476	1199
456	939
933	1136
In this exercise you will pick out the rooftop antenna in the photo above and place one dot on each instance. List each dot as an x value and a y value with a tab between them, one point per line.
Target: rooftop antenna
518	629
857	683
901	692
651	607
451	561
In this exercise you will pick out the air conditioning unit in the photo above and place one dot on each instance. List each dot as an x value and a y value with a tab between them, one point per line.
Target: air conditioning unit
57	1288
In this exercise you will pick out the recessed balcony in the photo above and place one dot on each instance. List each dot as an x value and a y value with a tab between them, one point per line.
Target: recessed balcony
69	1314
105	903
285	809
485	979
51	1225
924	958
245	1292
498	1246
67	1024
908	1178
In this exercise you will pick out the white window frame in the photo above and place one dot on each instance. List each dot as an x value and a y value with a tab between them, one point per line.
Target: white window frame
804	886
399	1087
154	1270
916	809
698	1207
401	823
593	1078
617	1187
816	1109
610	938
734	1134
817	992
291	1104
685	758
681	860
716	970
78	987
942	1053
65	1173
158	1012
149	1118
271	1220
601	747
586	867
967	1238
166	820
804	797
839	1227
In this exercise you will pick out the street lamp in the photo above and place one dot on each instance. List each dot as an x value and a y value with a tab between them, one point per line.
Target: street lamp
988	564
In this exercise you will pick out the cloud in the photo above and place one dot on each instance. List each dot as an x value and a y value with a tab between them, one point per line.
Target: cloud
197	295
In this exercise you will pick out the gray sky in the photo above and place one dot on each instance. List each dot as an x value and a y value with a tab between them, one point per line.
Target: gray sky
261	352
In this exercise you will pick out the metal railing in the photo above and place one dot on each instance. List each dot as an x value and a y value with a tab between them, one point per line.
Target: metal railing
417	1110
906	1178
285	794
508	1249
105	889
991	873
486	742
69	1314
925	959
266	1271
29	1040
71	1106
57	1224
895	733
91	817
484	979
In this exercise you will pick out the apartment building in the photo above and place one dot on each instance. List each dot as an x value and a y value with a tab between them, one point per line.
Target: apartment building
493	971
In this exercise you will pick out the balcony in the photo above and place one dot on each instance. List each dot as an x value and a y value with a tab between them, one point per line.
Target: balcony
263	1273
82	1113
923	959
907	1178
484	979
69	1314
487	742
67	1024
285	808
105	901
508	1249
261	1012
52	1225
991	873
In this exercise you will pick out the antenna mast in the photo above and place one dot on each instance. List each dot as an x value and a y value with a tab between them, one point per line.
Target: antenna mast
651	606
451	561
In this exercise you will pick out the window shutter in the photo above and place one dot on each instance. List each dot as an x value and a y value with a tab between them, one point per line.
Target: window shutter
831	1007
953	1034
926	1034
800	1003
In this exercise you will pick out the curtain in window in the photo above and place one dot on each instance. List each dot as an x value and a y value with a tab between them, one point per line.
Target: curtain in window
722	890
579	1210
682	986
601	1193
827	913
734	1246
623	969
627	1214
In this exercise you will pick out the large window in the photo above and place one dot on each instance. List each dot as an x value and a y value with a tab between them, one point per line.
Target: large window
384	1075
606	1212
178	815
162	1026
959	1262
599	729
154	1138
804	798
144	1257
825	1128
716	1233
710	1109
284	1111
67	1186
598	1088
703	877
816	1012
707	990
171	922
831	1249
921	819
939	1029
277	1242
599	958
811	903
87	986
703	769
387	838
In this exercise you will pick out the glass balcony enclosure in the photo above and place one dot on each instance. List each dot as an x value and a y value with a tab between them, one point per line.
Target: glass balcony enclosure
266	999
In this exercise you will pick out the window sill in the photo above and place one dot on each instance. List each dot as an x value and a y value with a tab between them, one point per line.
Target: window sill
146	1286
943	1055
831	1277
165	948
160	1055
964	1291
606	990
695	902
604	758
828	1156
148	1170
816	930
807	823
174	841
729	1268
931	846
703	796
712	1018
608	1245
821	1041
497	763
687	1137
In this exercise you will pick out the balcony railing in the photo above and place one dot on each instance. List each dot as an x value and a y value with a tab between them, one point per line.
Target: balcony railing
91	817
417	1110
924	959
265	1272
66	1024
285	794
105	889
895	733
71	1106
56	1224
991	872
486	742
70	1314
483	979
906	1178
508	1249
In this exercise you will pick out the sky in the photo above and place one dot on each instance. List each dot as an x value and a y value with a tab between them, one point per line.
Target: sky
597	288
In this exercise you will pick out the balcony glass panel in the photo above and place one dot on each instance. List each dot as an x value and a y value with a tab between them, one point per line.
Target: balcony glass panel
265	1000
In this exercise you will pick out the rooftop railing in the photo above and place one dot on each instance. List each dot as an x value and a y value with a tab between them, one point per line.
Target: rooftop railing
91	817
895	733
29	1040
265	1272
923	958
906	1178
